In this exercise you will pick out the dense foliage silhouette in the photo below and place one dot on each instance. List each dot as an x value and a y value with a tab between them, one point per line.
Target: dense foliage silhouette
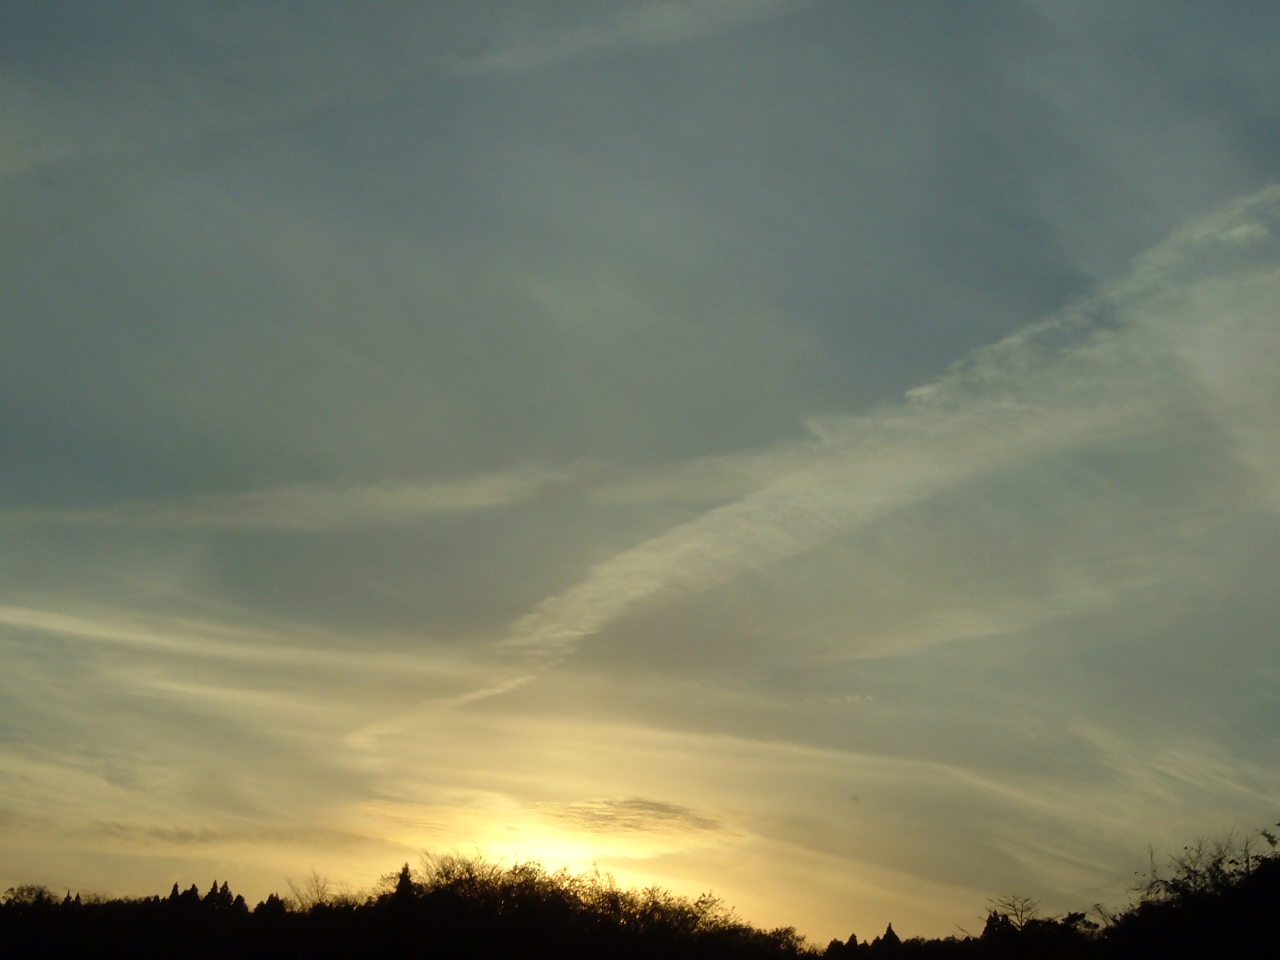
453	908
1219	900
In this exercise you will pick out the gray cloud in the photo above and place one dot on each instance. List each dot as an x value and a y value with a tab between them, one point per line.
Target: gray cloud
419	422
634	814
210	836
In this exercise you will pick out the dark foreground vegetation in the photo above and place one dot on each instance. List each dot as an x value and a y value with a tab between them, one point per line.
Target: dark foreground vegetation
1220	900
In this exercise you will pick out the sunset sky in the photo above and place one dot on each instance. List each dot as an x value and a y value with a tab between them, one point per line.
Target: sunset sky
824	452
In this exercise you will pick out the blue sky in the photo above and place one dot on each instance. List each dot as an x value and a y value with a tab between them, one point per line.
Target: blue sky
821	452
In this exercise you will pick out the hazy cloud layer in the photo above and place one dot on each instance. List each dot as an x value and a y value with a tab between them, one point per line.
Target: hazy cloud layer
820	452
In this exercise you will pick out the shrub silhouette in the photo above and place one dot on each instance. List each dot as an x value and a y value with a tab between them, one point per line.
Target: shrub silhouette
453	907
1213	900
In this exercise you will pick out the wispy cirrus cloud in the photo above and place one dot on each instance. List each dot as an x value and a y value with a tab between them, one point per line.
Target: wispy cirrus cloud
316	506
1195	316
646	24
343	342
216	642
334	506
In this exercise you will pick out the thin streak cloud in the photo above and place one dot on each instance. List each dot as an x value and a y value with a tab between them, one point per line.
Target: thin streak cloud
184	638
317	506
1107	369
647	24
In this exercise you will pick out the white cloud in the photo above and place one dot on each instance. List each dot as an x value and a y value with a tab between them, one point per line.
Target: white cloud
1110	370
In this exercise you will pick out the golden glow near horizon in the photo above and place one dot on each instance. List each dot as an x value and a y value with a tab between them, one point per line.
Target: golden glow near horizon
822	454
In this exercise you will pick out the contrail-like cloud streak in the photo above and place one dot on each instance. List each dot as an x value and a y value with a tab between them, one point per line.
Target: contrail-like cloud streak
1112	367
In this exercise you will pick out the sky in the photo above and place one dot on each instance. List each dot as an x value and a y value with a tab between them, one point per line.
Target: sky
818	451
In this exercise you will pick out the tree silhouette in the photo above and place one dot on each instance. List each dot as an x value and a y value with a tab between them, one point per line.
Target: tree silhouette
1212	900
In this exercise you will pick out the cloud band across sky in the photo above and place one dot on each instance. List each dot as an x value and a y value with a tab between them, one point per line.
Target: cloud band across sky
1104	372
623	434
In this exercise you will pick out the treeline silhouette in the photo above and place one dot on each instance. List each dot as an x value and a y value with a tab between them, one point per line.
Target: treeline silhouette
1213	900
